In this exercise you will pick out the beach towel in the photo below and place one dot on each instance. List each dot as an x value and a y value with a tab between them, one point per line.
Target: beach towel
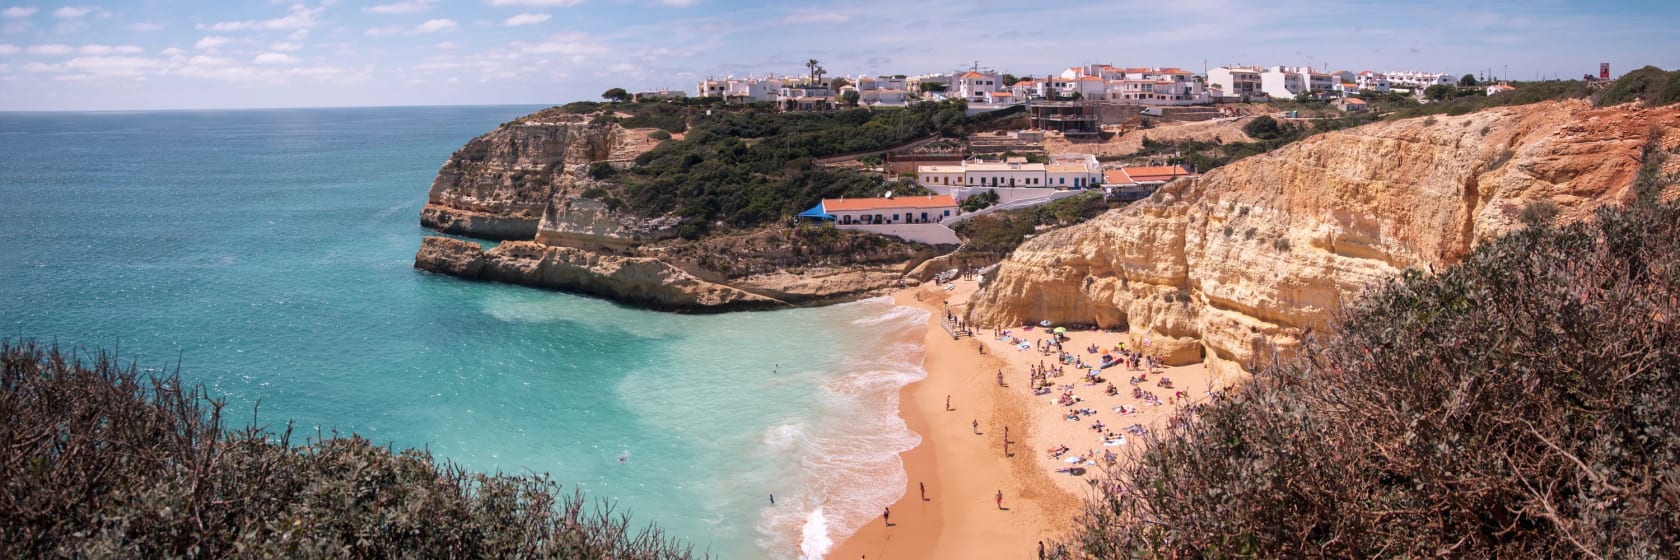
1114	442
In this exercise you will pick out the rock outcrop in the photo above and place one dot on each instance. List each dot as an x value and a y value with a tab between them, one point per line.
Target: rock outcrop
639	281
1249	257
498	185
543	186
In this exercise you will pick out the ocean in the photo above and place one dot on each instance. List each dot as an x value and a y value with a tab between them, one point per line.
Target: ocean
268	254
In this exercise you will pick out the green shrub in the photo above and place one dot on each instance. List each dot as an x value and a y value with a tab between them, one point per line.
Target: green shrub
659	135
99	462
1522	404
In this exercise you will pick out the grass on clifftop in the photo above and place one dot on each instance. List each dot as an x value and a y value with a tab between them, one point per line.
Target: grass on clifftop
96	461
1522	404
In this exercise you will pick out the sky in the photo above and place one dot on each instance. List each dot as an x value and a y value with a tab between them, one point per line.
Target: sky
218	54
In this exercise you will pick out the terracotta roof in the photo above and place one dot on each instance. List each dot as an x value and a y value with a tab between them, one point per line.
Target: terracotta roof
1156	173
972	75
1117	177
1354	101
1503	87
999	93
1176	71
832	205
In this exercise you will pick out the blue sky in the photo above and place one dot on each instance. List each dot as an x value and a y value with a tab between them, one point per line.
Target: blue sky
171	54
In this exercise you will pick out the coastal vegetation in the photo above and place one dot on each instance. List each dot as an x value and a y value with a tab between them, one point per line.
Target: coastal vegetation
994	236
743	166
99	461
1520	404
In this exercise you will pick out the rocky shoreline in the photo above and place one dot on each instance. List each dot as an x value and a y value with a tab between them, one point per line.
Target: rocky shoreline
531	185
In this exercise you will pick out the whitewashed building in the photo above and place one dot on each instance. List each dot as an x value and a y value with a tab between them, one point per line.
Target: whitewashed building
1371	81
1236	81
1418	80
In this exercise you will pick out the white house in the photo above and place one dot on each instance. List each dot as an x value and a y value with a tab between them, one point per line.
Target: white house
974	86
1014	172
934	176
897	210
1371	81
1500	87
1288	81
1236	81
1418	80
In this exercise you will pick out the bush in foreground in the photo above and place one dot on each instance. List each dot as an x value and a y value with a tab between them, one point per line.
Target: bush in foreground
98	462
1522	404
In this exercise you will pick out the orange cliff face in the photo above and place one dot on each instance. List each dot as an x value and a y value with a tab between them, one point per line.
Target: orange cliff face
499	185
1248	257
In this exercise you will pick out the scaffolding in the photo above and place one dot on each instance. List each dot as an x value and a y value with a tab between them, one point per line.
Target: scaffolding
1071	118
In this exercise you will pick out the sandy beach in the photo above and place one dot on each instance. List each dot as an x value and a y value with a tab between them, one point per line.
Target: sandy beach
963	471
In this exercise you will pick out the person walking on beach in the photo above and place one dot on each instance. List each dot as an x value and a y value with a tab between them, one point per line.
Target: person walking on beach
947	403
1000	499
923	486
886	516
976	425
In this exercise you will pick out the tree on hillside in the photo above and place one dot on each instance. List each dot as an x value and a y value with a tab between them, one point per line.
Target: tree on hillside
931	87
1467	81
849	97
811	65
616	94
1440	92
1010	79
837	83
1263	128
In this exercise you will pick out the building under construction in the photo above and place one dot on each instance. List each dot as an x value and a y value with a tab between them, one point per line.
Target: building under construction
1071	118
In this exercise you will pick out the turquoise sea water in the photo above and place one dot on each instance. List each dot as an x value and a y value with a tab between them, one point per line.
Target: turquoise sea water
270	253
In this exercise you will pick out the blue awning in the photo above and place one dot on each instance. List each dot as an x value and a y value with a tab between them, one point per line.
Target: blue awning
816	212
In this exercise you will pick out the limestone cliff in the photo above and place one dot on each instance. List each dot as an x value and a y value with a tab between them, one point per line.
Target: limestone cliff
1250	256
542	185
640	281
498	185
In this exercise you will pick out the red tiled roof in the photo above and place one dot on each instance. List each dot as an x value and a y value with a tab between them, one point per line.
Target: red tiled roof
1117	177
1354	101
855	204
972	75
1176	71
1090	78
1156	173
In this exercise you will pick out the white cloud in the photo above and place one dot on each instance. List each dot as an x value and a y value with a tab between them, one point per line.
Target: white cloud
9	49
40	67
19	12
536	3
286	47
527	19
564	44
437	25
447	45
298	35
678	3
276	58
405	7
51	50
211	42
202	60
101	50
301	17
116	66
145	26
430	26
817	17
71	12
172	51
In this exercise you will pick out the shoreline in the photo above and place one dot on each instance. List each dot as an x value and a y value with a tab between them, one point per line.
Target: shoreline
961	470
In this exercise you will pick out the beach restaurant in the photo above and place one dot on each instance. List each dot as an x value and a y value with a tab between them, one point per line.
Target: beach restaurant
927	209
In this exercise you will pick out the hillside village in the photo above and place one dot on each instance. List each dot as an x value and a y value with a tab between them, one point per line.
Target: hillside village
1075	109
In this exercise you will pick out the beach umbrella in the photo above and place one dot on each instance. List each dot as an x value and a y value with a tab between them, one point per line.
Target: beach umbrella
1061	330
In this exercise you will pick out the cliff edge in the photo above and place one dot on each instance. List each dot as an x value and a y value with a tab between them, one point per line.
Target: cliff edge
1253	255
544	186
